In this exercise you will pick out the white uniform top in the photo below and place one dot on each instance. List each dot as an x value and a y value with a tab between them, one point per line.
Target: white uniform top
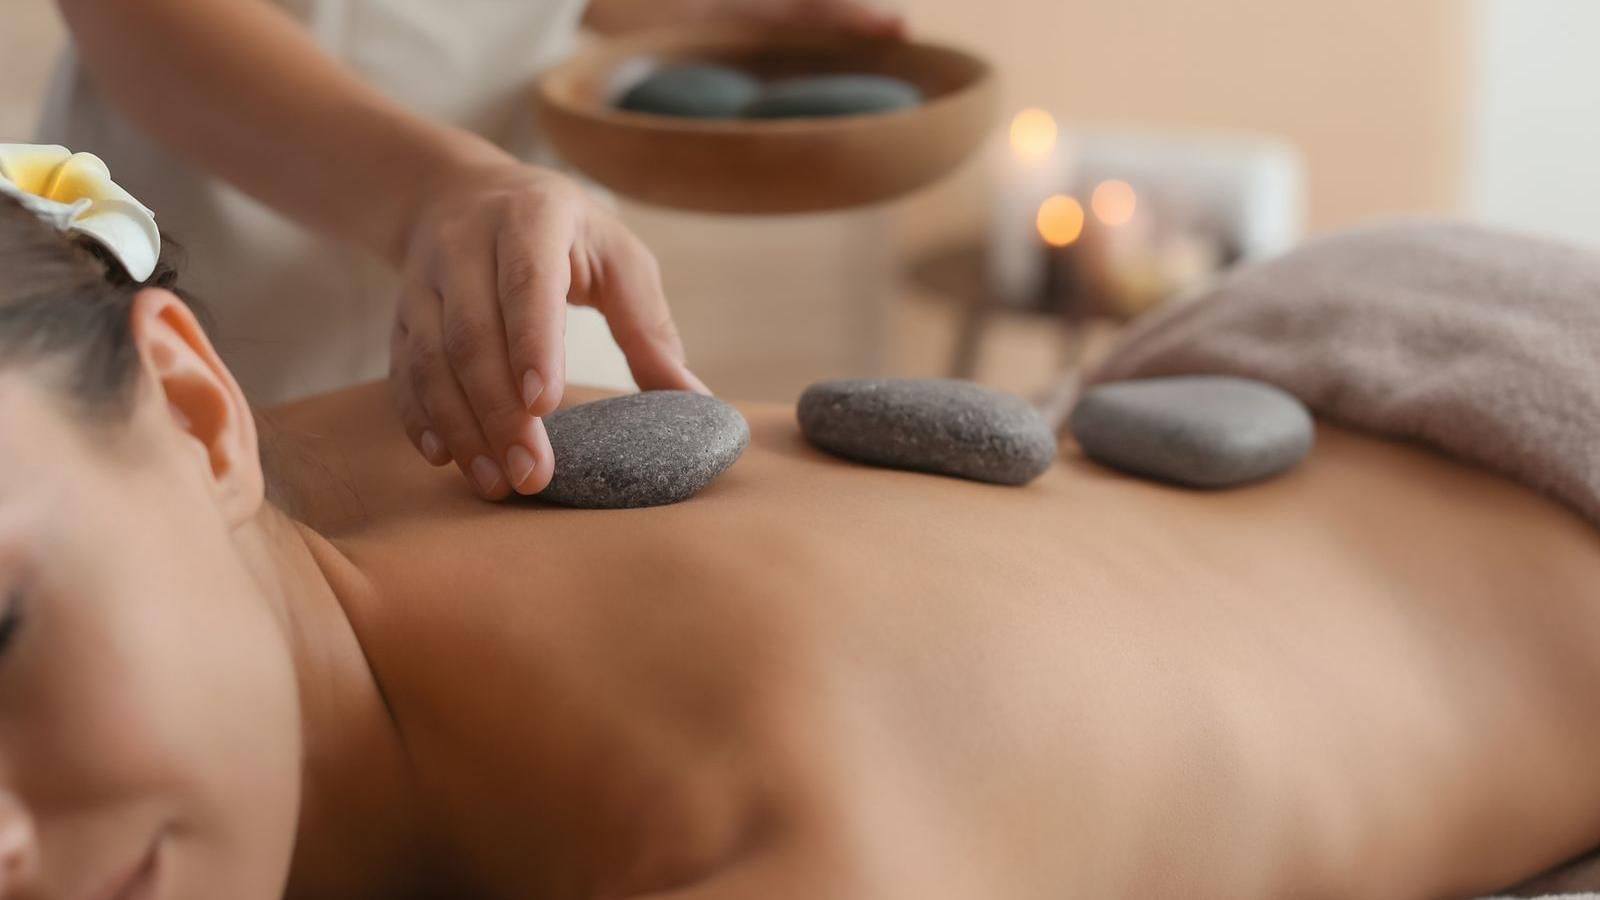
295	313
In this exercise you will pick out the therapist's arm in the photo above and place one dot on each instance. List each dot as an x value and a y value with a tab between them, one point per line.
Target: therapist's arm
490	249
239	88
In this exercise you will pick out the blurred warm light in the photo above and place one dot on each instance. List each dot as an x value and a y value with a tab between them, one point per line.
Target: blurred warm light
1060	220
1033	133
1113	202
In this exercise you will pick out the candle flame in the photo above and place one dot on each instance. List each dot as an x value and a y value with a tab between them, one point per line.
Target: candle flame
1114	202
1060	220
1033	133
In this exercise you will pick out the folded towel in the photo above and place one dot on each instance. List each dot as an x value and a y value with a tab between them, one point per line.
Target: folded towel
1483	344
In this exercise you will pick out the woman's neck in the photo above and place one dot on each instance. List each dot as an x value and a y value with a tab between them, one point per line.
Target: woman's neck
359	825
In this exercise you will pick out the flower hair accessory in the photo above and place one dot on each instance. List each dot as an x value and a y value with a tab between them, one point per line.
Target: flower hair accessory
74	192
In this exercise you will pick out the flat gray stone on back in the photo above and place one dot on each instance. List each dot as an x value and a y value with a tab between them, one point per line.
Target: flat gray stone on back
696	91
646	449
1207	431
929	425
833	95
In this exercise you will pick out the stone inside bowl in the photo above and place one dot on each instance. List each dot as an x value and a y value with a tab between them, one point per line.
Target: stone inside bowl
691	90
702	90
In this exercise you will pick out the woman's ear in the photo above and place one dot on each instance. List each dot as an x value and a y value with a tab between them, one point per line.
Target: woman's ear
202	398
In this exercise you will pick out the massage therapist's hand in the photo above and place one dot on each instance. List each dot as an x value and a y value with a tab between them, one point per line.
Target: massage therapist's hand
496	250
863	18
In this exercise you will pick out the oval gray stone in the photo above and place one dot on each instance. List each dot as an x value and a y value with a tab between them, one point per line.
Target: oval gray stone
929	425
1207	431
646	449
833	95
695	91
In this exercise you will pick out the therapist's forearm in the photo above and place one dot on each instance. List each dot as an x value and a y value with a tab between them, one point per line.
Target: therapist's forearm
238	88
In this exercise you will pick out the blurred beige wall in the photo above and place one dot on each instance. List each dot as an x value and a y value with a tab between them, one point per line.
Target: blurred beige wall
1374	92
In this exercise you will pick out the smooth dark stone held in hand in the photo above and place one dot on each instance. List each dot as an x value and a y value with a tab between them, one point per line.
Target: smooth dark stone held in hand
646	449
833	95
1207	431
929	425
696	91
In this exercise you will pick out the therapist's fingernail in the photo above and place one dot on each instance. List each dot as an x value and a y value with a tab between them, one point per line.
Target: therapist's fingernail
486	474
433	449
532	387
519	465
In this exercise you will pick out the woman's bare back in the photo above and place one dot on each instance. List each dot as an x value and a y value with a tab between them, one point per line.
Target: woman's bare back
1369	678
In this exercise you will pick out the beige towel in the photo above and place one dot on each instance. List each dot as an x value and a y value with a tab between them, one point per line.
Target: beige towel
1480	343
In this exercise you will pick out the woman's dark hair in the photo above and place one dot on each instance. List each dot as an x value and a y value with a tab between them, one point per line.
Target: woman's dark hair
64	298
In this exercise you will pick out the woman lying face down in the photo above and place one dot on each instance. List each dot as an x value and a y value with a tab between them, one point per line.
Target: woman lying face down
812	680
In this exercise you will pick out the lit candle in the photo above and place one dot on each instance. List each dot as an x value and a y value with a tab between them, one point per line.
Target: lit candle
1114	202
1060	222
1032	169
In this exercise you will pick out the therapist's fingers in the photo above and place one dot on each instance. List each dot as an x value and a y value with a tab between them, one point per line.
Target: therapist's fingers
412	418
473	335
442	402
635	307
534	272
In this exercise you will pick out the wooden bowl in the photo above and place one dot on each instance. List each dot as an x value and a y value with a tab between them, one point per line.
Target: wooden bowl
766	165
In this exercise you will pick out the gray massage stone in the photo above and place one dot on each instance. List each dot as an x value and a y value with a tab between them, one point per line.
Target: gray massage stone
646	449
696	91
833	95
1206	431
929	425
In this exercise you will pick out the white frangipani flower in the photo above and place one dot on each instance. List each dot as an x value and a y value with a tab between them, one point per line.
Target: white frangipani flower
74	192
